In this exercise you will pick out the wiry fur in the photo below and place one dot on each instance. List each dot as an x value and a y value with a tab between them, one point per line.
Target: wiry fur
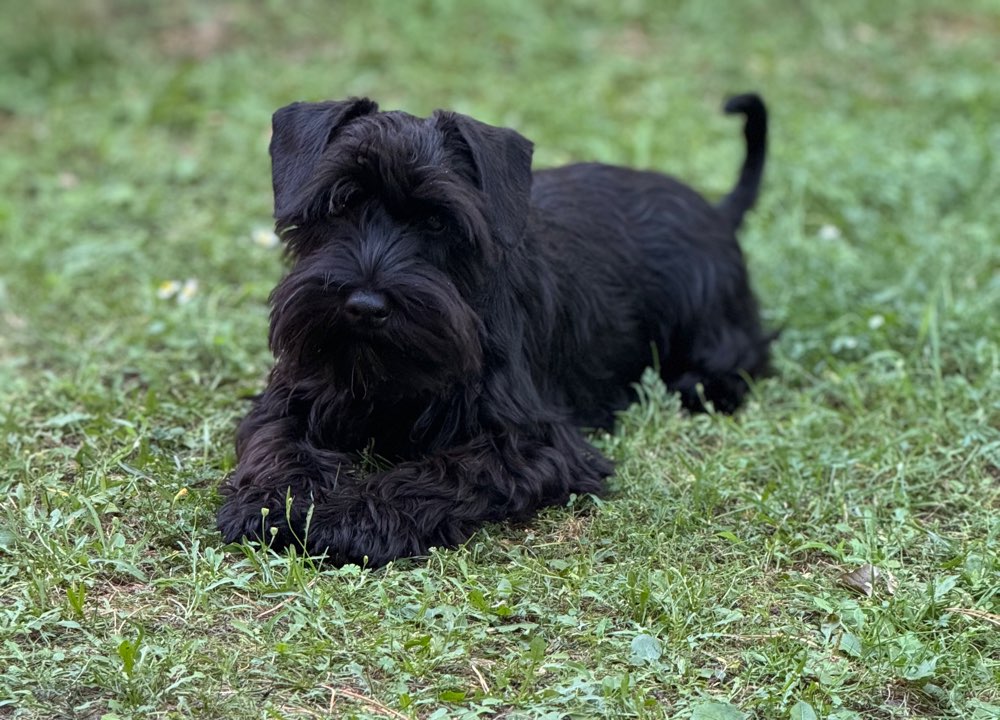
461	318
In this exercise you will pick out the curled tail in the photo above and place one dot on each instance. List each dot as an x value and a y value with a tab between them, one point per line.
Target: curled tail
742	197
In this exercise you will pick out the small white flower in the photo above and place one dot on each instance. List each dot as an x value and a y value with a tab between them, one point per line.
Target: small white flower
264	237
844	342
167	289
188	291
829	232
876	321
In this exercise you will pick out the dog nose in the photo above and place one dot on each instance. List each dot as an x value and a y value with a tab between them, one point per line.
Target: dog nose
364	307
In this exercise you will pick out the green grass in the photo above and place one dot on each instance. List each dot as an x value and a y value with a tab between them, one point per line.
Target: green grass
134	152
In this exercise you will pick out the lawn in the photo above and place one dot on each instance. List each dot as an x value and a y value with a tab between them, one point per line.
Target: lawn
719	579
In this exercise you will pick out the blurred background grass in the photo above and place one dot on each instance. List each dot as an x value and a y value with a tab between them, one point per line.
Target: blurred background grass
136	132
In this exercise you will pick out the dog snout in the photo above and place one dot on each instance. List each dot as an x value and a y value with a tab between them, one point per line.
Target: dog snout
367	308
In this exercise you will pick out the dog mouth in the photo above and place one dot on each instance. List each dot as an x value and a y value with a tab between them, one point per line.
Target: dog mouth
415	336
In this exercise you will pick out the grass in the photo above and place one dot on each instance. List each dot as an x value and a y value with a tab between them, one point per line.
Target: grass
708	585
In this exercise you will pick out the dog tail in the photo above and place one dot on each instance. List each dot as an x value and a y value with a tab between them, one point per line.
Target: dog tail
742	197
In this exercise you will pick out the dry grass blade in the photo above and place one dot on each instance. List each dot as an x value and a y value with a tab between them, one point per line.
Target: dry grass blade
371	703
978	614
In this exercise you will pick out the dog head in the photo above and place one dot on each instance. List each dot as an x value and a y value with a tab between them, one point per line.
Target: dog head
395	226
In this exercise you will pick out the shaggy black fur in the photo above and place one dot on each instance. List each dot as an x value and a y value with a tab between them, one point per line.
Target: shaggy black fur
461	318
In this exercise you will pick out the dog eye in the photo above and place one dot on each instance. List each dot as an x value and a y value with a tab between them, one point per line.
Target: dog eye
338	204
435	223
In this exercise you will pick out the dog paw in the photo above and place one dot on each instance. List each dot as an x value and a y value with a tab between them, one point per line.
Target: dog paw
267	523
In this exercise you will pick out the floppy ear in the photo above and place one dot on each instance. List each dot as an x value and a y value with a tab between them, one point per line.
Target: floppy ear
300	134
502	161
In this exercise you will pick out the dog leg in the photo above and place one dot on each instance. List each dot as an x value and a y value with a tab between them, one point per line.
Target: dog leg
721	362
440	500
279	476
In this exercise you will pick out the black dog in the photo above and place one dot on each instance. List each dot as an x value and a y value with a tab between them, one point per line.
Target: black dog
459	318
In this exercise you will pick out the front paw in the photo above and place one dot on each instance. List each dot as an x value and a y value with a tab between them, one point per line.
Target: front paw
345	530
340	530
264	519
270	502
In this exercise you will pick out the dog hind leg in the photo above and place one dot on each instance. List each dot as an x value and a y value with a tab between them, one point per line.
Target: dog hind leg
719	364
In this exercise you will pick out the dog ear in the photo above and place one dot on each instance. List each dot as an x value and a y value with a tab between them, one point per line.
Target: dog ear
502	161
300	133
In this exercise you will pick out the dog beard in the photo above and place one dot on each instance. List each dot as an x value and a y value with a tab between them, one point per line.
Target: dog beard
430	341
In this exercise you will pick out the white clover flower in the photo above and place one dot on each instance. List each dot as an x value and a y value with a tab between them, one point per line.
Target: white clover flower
875	322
